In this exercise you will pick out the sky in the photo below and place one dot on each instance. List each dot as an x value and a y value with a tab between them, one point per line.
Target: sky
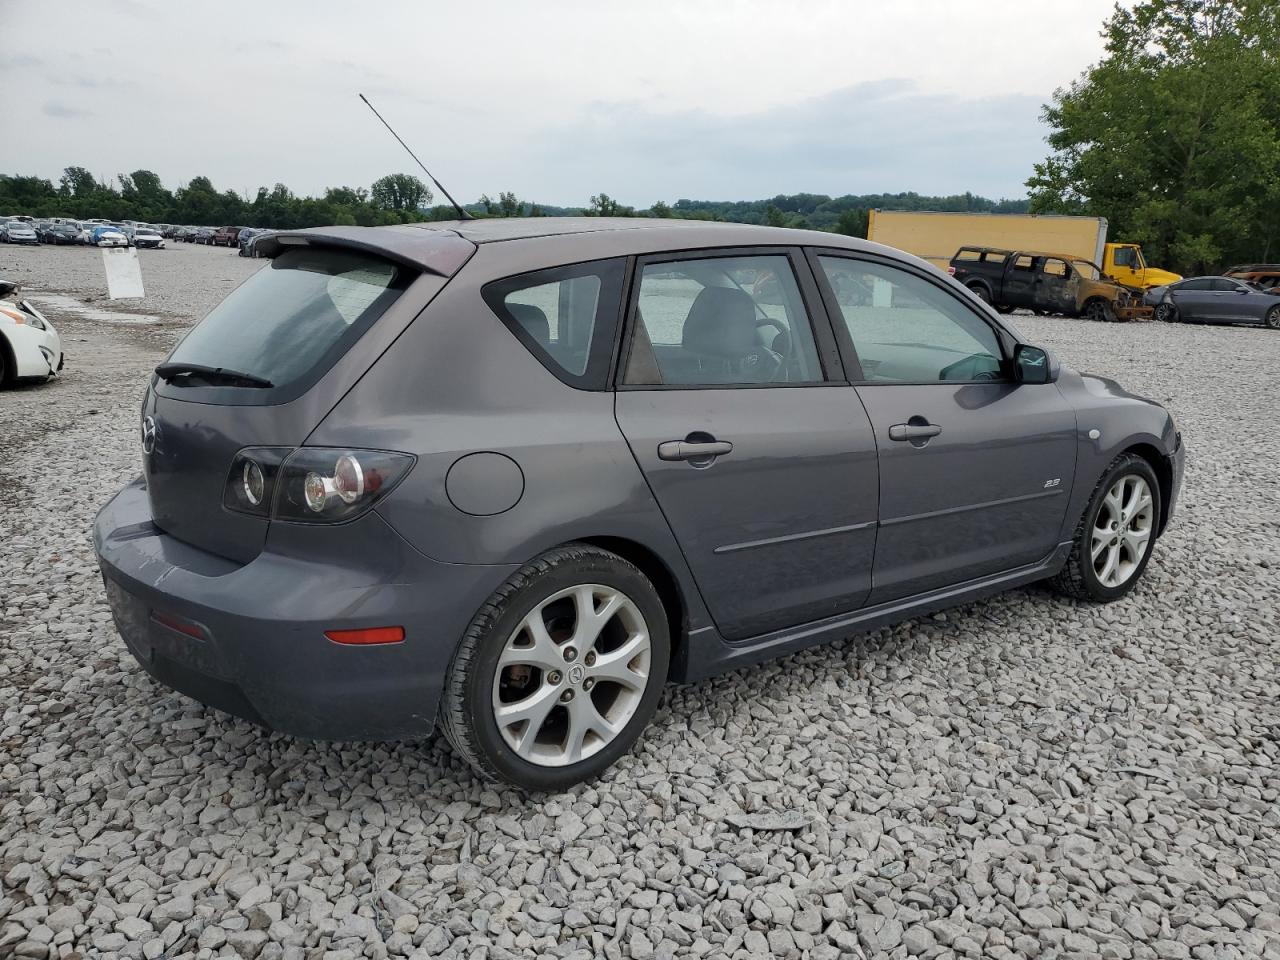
555	100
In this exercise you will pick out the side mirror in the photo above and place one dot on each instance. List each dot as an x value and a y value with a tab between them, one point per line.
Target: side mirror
1034	364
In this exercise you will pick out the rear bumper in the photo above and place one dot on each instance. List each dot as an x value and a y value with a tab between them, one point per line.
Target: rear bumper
250	639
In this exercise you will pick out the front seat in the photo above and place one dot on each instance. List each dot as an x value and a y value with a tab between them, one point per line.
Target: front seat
720	334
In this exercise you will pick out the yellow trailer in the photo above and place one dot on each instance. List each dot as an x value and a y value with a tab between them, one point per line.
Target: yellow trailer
936	237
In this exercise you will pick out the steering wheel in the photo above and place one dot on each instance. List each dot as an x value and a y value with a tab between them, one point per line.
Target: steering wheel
964	369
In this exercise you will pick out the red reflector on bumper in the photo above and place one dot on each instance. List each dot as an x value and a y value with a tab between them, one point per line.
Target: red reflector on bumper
368	635
173	623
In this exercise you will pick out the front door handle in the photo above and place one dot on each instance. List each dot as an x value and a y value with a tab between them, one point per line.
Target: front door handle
914	431
693	450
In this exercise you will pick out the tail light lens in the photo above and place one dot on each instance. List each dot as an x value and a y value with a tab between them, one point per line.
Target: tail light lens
311	484
251	482
324	485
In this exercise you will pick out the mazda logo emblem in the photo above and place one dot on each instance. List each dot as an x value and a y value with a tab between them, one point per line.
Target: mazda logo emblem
576	673
148	434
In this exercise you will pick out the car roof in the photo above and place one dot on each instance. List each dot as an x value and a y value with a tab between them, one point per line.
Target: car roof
442	246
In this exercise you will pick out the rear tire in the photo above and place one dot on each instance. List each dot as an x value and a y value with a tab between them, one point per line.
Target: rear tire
542	695
1116	534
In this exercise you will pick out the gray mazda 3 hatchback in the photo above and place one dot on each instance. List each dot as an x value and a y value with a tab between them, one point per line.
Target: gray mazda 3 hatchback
511	476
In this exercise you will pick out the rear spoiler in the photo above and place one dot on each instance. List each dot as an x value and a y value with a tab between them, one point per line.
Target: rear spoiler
441	252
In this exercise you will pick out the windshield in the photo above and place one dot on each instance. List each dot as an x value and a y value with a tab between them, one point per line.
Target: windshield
294	318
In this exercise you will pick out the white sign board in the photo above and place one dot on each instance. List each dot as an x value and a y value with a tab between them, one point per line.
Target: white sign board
124	276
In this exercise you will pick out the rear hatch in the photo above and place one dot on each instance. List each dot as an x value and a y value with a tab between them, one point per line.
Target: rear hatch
265	367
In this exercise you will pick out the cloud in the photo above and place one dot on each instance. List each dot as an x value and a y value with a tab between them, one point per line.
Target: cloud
58	109
883	135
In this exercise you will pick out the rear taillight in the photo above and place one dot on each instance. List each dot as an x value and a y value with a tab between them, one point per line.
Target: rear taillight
311	484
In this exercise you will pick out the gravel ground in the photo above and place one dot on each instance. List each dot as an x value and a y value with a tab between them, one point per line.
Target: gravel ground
1022	777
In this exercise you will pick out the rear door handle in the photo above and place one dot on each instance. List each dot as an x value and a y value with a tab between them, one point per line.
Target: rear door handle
690	450
914	431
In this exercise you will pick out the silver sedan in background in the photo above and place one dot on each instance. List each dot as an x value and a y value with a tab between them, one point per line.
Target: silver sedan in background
1216	300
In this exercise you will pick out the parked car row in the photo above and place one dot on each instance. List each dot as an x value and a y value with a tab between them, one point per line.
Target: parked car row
61	230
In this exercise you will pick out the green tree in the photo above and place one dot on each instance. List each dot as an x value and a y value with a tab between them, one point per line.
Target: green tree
509	206
1174	136
603	205
852	223
661	210
399	191
774	217
78	181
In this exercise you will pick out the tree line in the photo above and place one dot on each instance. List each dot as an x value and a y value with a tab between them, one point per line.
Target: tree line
404	198
1174	135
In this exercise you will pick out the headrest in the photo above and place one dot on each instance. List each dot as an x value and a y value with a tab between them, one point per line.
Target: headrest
721	323
533	320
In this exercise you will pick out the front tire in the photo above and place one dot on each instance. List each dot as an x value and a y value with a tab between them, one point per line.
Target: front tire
559	671
1166	312
1272	318
1100	310
1114	539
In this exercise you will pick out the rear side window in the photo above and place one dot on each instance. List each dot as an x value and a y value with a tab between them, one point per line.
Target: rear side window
295	317
722	320
565	316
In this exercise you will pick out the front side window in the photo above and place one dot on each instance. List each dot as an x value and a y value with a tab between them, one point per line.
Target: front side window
906	330
721	320
1194	285
566	316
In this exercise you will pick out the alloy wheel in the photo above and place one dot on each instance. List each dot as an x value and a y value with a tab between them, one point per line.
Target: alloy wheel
1273	318
1165	313
571	675
1122	530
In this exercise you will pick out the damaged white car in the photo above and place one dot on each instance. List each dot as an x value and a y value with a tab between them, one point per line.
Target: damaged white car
30	349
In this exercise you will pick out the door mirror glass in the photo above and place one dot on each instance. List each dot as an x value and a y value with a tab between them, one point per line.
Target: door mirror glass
1033	364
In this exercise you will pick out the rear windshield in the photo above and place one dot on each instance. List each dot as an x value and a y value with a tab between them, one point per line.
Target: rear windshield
295	317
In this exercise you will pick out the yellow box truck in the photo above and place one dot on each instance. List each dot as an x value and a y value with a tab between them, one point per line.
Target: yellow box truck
936	237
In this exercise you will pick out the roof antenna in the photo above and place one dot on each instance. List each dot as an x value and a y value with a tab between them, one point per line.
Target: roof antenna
462	214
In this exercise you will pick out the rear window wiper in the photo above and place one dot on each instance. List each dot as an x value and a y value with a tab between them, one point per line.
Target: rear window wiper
219	375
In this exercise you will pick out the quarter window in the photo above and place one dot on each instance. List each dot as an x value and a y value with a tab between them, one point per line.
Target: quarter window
566	316
906	330
721	320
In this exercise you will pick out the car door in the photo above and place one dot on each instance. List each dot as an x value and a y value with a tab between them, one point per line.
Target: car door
1234	302
1194	300
735	406
1020	276
974	468
1054	291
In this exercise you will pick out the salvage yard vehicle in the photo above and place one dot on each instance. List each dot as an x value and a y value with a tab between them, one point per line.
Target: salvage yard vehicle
108	236
1264	275
1216	300
934	235
511	476
227	237
147	237
30	348
1046	283
19	231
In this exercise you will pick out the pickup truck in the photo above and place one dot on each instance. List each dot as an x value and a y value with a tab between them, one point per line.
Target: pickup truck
227	237
1045	283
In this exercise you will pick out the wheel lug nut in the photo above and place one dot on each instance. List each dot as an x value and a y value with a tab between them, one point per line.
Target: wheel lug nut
570	654
566	696
553	676
590	658
588	683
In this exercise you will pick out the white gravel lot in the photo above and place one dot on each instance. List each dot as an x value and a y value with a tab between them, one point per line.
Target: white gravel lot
1018	778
